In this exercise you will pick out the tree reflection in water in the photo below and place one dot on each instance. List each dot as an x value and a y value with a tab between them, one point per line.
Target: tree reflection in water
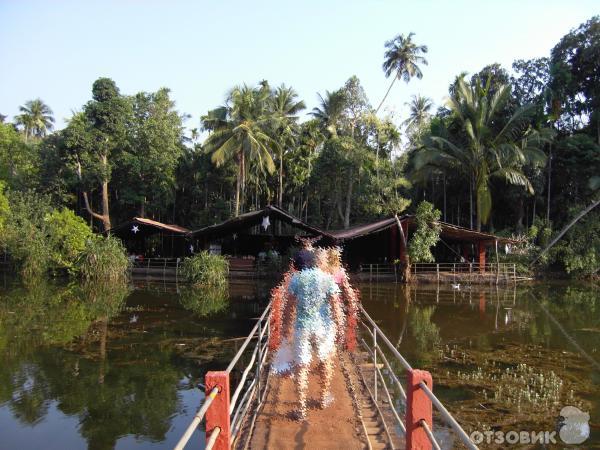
53	344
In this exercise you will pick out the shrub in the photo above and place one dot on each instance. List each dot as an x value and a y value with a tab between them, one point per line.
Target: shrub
25	232
67	237
103	259
205	269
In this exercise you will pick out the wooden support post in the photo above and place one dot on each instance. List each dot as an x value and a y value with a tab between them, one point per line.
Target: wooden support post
481	248
437	271
418	407
217	414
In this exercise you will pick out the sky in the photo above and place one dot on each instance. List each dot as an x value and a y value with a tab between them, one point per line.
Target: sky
55	50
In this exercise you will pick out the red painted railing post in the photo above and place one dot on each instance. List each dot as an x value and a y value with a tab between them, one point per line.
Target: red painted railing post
418	407
217	414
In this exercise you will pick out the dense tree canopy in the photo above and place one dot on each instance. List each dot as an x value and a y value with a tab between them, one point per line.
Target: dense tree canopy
526	137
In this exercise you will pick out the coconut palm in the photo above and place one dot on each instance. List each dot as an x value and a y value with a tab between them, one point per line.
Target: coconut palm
238	132
35	118
402	59
486	152
284	109
419	114
330	109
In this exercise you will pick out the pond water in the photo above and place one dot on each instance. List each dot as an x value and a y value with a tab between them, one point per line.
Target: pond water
105	367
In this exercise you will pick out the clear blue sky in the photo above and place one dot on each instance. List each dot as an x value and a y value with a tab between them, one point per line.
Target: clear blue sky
199	49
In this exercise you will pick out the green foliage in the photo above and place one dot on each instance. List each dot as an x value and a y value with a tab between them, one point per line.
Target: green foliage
530	142
4	207
145	170
205	269
67	237
25	233
103	259
575	78
19	160
579	251
205	300
426	235
35	119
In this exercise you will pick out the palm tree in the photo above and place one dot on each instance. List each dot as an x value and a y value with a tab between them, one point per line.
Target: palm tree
402	59
238	132
486	152
419	114
330	109
284	108
35	118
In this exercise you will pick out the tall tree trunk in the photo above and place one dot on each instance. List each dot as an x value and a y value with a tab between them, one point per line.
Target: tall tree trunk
280	196
238	184
348	203
406	262
521	213
549	183
445	198
471	202
386	94
243	182
105	207
104	217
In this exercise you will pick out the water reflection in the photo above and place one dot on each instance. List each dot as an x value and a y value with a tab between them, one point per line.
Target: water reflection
107	367
102	366
501	357
205	301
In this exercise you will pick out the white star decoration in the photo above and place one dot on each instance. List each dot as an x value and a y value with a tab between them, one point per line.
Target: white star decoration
191	249
234	236
265	223
135	229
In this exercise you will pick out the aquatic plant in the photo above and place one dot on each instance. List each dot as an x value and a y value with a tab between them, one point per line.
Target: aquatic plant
205	269
103	259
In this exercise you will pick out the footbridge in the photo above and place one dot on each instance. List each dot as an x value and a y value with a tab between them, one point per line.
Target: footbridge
380	402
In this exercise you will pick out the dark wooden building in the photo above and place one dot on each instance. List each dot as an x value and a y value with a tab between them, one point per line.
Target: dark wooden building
152	239
249	234
380	242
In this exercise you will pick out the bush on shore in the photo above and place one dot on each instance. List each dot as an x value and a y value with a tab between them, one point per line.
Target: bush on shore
103	259
205	269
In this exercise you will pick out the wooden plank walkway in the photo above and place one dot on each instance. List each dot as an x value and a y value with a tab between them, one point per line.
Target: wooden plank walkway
351	422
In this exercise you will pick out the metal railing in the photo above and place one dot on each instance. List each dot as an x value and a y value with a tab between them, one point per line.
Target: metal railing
445	271
225	413
377	270
466	271
415	398
157	265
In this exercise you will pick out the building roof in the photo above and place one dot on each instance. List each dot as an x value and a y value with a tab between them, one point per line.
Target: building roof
253	218
363	230
449	231
146	227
